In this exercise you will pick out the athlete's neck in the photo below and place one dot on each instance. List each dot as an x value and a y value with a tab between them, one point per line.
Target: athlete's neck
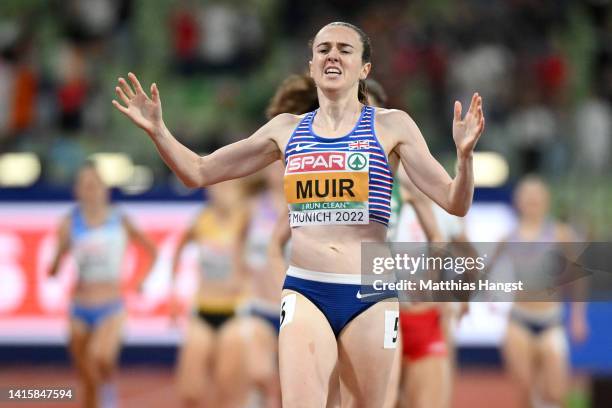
94	213
220	211
531	225
335	110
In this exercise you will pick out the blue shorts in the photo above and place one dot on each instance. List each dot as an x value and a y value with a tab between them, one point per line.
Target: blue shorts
537	322
340	297
92	316
263	310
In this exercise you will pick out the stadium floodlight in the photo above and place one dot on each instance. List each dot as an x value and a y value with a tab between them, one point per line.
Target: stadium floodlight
141	181
19	169
116	169
490	169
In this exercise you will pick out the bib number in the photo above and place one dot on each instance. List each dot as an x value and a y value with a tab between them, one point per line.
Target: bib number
391	329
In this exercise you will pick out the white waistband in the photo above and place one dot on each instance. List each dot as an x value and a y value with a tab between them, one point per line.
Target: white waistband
327	277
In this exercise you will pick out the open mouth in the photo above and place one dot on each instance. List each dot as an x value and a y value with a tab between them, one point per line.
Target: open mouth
332	72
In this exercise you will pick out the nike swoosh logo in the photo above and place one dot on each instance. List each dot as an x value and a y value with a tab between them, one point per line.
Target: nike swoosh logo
299	148
360	296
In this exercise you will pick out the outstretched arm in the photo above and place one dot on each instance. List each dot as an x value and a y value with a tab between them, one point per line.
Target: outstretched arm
454	195
173	301
232	161
578	325
137	236
186	238
63	246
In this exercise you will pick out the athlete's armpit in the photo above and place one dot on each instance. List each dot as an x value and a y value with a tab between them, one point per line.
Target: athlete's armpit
422	168
249	155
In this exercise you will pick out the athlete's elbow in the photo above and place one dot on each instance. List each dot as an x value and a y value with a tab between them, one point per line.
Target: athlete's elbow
195	179
458	205
191	183
461	213
459	210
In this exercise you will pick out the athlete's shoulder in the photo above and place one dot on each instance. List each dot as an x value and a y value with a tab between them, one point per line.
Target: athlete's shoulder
392	117
279	128
564	232
285	120
74	218
395	126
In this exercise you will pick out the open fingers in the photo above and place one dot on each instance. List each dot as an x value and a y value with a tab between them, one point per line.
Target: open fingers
154	93
120	107
477	112
126	88
457	115
476	108
122	95
482	123
474	103
135	83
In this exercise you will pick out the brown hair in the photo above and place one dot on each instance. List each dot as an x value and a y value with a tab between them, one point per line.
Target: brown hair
366	55
375	90
297	94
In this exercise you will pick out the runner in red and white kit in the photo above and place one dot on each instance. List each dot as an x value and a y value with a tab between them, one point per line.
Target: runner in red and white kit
427	351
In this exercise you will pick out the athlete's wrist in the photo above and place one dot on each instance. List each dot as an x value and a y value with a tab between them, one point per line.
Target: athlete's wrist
465	155
159	131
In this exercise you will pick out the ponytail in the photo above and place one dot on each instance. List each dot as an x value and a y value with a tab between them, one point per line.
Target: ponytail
362	93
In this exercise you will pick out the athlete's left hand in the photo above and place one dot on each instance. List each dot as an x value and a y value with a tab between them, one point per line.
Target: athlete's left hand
467	131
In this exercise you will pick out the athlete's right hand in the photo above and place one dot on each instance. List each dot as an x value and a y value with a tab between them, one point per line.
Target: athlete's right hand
145	112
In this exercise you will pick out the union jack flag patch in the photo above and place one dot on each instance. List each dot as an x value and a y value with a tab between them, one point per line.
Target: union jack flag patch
361	144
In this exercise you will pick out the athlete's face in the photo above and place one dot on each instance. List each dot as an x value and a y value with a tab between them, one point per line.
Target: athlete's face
532	200
89	188
336	59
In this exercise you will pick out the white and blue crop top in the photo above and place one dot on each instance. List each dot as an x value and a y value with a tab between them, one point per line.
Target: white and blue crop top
99	250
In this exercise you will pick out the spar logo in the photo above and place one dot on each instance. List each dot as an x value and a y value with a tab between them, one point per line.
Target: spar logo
324	161
357	161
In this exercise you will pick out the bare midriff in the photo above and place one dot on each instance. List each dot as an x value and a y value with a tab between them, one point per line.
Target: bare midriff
333	248
95	293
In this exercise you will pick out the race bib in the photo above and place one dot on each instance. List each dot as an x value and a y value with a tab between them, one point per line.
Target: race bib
391	329
327	188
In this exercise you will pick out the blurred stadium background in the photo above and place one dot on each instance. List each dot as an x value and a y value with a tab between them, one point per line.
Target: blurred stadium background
544	69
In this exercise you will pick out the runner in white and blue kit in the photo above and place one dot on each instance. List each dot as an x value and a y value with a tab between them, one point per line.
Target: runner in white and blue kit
97	234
